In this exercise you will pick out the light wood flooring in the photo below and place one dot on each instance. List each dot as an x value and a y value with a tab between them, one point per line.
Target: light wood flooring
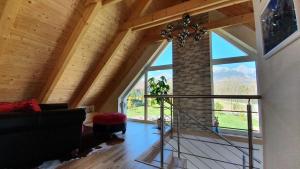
138	139
141	138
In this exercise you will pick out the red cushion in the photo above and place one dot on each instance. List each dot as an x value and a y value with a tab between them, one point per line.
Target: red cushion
26	105
6	107
109	118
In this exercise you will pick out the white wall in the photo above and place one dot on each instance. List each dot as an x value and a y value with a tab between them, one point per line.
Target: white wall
279	84
244	34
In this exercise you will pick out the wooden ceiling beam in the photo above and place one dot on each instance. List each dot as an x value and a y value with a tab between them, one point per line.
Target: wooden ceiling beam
230	21
103	2
170	14
128	65
7	18
140	7
110	2
88	15
222	23
238	10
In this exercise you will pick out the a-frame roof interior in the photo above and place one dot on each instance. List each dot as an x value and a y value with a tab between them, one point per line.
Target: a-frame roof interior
78	51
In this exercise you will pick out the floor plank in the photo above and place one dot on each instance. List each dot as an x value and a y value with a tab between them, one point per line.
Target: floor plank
138	139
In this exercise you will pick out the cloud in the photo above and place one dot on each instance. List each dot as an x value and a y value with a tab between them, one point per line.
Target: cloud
240	71
245	70
220	69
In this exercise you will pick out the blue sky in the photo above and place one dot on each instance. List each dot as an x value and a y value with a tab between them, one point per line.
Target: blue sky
165	58
157	74
221	48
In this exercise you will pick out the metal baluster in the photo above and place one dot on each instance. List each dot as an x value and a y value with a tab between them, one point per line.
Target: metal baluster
162	132
250	134
244	161
178	128
171	109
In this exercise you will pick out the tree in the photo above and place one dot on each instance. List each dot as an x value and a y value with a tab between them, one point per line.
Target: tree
218	106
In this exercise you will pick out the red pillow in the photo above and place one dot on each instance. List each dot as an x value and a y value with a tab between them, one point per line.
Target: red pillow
6	107
27	105
35	105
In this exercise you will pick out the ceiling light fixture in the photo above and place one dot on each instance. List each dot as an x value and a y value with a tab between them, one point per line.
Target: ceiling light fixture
188	30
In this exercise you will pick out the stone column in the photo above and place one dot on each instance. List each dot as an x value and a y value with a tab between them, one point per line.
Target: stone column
192	76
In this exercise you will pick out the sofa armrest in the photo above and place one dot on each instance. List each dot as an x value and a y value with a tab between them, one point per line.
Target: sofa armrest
54	106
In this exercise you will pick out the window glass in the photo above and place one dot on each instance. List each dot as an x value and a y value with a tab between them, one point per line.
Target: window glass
165	58
221	48
235	79
135	101
153	108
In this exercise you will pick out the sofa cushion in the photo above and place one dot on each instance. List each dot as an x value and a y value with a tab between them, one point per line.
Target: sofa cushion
26	106
109	118
6	107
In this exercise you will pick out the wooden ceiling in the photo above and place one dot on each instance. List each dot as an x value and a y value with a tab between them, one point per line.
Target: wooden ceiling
76	51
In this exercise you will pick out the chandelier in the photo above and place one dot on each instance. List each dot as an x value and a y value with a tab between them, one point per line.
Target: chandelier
184	30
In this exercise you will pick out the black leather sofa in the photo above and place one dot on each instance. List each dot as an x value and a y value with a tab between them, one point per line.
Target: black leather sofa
29	138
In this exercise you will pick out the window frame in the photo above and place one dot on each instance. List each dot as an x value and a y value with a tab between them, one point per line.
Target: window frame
143	73
252	57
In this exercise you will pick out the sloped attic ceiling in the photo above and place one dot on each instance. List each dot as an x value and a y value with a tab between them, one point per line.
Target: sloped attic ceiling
37	38
69	51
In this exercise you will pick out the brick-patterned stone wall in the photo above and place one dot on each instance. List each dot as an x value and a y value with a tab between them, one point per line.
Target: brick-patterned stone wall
192	76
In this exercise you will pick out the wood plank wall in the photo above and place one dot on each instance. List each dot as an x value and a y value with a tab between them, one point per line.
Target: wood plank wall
2	3
37	37
112	67
99	35
40	26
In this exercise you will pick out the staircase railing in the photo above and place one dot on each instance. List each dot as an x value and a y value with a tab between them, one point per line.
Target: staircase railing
178	137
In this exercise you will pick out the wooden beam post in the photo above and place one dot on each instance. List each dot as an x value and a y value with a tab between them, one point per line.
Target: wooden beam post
88	15
193	7
140	7
7	18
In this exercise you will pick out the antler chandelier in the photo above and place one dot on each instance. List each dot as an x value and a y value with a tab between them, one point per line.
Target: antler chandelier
184	30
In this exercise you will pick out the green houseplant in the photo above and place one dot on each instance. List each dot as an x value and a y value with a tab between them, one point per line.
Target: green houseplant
159	87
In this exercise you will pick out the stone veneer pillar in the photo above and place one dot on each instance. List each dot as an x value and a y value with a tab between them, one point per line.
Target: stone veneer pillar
192	76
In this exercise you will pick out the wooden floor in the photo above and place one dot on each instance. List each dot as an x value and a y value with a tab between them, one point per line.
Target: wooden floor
138	139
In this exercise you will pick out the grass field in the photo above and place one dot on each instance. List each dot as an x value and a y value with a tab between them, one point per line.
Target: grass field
231	120
138	113
226	119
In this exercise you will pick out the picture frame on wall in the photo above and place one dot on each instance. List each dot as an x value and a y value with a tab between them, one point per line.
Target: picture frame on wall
280	25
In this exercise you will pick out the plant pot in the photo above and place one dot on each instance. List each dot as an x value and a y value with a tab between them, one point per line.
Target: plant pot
158	123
